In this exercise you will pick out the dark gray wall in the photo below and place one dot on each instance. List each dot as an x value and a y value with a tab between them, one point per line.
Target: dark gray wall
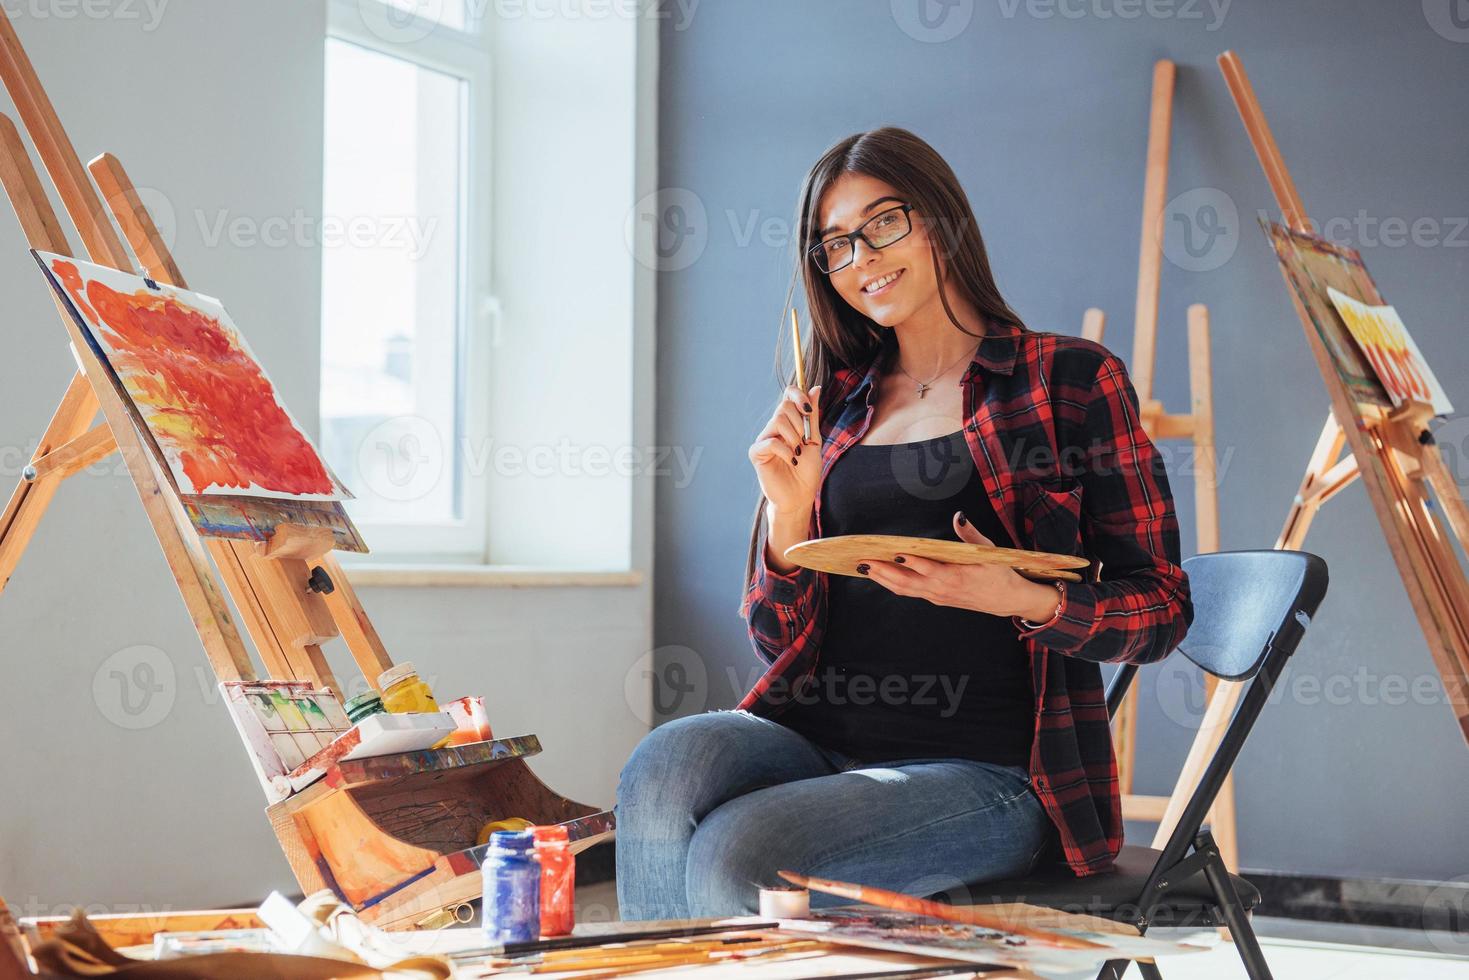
1358	768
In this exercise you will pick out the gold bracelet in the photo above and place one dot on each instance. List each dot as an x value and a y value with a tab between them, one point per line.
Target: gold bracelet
1060	601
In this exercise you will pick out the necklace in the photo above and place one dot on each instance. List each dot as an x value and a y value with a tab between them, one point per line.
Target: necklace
923	386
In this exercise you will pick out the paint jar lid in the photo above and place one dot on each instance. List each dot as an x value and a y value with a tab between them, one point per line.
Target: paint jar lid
393	675
784	903
512	840
551	835
370	700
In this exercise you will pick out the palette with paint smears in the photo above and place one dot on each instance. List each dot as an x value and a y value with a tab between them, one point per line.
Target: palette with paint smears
840	555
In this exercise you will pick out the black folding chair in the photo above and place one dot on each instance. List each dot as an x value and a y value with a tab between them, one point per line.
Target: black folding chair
1251	609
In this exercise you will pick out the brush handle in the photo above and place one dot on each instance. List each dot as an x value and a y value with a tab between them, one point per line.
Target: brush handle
796	342
899	902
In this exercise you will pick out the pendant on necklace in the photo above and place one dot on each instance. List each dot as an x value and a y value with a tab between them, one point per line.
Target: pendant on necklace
921	389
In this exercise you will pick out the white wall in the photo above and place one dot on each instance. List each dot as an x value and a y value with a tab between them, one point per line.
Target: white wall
220	105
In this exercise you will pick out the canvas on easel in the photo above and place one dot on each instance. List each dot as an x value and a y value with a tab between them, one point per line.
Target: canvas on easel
196	389
394	836
1311	266
1388	346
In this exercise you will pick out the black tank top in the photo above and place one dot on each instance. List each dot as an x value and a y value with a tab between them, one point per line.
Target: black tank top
899	677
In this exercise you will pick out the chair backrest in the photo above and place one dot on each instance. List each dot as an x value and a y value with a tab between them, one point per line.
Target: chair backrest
1248	604
1251	609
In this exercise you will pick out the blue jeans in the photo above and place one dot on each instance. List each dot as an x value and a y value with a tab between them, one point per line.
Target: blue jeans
711	806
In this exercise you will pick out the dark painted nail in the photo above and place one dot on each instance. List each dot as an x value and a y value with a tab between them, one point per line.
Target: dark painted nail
806	406
798	450
862	569
901	560
962	519
796	462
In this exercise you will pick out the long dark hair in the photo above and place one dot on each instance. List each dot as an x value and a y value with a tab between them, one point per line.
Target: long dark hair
839	336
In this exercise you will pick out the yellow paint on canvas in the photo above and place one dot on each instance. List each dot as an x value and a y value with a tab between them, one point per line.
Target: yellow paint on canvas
1389	348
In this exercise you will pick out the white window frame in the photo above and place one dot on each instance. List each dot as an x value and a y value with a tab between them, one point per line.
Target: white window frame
464	55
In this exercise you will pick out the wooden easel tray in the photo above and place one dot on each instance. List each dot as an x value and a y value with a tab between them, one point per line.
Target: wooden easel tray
840	555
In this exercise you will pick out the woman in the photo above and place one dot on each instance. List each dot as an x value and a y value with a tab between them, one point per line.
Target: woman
927	724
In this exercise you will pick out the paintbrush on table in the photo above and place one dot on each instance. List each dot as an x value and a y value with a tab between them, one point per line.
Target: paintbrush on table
777	948
618	936
582	959
968	915
630	960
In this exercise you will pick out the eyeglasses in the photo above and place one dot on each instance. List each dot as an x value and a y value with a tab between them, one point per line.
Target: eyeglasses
879	231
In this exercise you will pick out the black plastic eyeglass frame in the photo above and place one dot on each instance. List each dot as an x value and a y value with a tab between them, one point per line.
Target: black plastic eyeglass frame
818	251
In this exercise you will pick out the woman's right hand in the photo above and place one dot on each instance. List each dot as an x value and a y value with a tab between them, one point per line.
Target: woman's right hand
778	456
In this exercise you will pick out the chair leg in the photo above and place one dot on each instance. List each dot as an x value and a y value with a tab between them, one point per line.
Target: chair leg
1150	971
1233	911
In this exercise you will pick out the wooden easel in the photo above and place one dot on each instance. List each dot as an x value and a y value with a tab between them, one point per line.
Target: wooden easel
359	830
1197	426
1394	455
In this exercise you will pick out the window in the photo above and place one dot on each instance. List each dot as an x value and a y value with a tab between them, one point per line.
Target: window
405	263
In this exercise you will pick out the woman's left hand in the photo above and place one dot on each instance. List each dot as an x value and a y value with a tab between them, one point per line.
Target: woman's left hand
995	589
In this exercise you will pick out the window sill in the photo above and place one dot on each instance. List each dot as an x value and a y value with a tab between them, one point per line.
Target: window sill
497	576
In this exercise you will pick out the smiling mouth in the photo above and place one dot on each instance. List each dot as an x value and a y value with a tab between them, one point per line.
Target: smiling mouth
883	283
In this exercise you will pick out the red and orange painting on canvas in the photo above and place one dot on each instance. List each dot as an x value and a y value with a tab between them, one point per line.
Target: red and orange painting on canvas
211	409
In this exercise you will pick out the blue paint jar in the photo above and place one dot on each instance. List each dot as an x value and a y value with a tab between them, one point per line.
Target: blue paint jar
512	888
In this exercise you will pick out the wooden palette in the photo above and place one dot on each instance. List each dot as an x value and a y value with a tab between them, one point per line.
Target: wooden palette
840	555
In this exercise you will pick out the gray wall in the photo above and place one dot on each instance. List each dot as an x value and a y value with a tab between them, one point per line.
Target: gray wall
218	106
1044	118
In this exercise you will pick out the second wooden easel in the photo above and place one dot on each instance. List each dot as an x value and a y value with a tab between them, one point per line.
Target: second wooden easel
1198	427
394	836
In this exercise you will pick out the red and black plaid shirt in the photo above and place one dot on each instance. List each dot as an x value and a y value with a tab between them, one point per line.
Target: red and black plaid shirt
1052	423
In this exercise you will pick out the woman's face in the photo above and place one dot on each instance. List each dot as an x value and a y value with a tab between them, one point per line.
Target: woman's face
864	284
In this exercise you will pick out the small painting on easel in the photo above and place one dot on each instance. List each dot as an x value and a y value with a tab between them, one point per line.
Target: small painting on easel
1312	266
201	395
1400	365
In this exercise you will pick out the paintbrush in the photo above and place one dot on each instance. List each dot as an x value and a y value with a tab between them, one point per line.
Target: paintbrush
642	949
604	956
967	915
919	973
915	973
800	372
617	966
611	937
581	958
771	954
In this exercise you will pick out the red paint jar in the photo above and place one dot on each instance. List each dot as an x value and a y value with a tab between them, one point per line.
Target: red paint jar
558	880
